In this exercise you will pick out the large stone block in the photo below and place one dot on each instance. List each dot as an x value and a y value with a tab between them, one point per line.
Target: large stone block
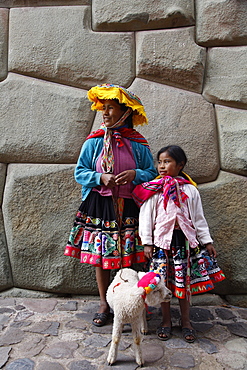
221	22
4	15
42	121
56	43
5	269
6	281
24	3
226	76
237	300
39	206
128	15
225	205
183	118
171	57
232	127
3	169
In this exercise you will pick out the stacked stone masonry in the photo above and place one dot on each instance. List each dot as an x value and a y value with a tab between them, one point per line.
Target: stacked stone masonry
187	60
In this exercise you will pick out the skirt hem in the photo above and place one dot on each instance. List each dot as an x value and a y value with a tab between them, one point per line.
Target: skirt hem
105	263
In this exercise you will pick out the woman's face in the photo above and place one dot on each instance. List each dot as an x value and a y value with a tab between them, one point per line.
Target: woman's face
111	112
167	166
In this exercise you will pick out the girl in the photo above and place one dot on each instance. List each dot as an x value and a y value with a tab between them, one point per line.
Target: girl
176	237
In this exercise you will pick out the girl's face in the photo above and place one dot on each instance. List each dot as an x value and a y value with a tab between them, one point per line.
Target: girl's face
167	166
111	112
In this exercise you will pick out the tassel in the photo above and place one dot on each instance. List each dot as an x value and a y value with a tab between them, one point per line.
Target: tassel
187	282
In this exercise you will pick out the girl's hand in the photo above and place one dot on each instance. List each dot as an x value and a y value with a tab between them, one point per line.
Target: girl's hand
211	250
125	177
148	251
108	179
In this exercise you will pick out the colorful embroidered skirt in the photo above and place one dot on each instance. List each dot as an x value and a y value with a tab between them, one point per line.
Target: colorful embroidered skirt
173	264
97	239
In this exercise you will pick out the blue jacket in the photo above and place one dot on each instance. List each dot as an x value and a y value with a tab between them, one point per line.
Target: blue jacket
85	171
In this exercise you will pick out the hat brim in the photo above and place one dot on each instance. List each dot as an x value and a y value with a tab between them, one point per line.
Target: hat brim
107	92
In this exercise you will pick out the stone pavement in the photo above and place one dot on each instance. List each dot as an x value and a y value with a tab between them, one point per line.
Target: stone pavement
56	334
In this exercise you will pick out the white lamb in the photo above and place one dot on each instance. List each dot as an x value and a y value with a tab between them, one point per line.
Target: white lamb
127	295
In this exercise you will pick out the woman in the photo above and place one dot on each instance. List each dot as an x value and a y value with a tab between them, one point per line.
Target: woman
113	160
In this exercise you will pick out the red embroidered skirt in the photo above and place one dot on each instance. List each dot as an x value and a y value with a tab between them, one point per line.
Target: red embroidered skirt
97	238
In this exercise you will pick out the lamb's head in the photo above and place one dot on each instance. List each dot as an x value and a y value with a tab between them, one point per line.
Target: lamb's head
155	289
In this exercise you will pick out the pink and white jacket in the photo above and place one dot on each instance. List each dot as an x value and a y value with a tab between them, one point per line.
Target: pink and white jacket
156	224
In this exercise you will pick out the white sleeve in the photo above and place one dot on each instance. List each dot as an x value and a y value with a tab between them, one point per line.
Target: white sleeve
198	218
147	220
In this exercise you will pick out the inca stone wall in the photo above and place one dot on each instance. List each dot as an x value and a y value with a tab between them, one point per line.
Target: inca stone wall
187	60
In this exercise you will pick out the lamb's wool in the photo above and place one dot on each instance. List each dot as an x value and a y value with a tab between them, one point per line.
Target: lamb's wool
127	299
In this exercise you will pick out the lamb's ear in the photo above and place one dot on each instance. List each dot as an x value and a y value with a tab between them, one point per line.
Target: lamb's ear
141	274
135	290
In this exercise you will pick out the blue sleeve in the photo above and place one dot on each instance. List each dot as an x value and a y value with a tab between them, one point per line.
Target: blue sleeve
85	173
145	170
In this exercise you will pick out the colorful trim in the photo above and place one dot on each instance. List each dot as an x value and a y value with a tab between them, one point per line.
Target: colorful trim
105	263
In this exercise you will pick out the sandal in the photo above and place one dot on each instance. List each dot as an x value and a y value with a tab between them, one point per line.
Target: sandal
165	330
103	317
189	333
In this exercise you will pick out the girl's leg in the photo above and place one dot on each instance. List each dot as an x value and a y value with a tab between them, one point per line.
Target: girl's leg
185	320
185	313
103	281
164	330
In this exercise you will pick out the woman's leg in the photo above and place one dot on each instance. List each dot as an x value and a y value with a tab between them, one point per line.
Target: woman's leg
185	320
103	281
166	314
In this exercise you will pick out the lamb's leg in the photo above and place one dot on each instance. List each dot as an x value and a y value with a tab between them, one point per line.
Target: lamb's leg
136	332
144	326
116	335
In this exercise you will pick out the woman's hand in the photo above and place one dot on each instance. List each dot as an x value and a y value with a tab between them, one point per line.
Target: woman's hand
211	250
125	177
108	179
148	251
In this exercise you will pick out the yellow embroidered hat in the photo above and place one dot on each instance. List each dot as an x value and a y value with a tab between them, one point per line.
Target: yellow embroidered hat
109	91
